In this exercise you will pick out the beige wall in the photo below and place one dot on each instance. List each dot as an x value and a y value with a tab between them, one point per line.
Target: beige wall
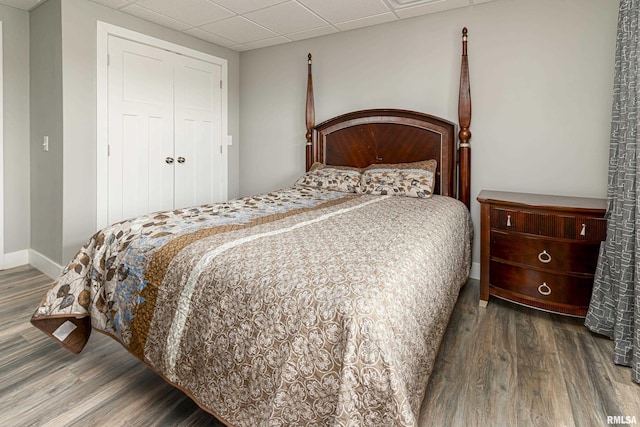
46	119
541	83
15	37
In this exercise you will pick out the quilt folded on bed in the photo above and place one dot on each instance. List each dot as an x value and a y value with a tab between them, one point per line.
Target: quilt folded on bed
298	307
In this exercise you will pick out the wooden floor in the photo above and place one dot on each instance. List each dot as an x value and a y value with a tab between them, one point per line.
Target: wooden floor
505	365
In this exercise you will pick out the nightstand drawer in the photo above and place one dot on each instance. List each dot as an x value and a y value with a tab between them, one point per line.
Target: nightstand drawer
564	256
550	225
542	286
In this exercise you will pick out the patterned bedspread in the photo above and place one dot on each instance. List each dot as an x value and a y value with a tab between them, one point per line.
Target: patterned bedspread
298	307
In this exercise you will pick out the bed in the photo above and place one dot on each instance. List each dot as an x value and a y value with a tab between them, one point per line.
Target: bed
317	304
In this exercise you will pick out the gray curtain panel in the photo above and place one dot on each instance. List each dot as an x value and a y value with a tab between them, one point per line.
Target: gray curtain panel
615	304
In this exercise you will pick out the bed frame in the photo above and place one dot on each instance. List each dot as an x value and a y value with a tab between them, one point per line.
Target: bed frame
367	137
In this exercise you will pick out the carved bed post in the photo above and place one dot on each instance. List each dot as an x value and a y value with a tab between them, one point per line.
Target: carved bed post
464	118
310	115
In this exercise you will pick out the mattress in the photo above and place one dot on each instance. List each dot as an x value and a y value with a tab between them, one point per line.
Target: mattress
296	307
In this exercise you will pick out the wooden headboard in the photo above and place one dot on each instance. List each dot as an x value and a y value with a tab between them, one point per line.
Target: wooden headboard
367	137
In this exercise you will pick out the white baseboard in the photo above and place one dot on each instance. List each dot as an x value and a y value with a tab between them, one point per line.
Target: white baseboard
475	271
15	259
44	264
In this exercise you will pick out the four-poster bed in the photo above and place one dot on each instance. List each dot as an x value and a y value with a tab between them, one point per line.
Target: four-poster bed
367	137
322	303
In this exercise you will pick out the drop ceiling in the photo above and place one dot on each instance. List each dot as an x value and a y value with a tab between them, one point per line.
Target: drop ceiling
250	24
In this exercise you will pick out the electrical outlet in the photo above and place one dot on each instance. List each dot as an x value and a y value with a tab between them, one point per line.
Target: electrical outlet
45	143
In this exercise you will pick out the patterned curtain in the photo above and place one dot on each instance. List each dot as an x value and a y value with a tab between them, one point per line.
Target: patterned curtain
615	304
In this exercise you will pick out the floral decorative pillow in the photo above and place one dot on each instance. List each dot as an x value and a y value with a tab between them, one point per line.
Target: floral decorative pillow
403	179
337	178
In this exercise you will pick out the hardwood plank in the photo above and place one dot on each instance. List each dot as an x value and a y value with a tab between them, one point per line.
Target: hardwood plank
590	390
541	398
480	344
495	384
503	365
441	404
85	403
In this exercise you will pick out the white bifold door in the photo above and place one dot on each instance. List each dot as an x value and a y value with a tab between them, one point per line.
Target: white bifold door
165	133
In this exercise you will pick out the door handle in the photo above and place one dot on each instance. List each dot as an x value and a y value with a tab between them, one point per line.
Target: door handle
181	159
169	160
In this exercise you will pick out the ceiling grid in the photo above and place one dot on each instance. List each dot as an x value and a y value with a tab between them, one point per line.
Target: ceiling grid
250	24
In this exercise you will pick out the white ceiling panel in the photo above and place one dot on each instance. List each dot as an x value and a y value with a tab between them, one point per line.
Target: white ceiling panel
150	15
21	4
367	22
314	32
211	38
343	11
285	18
194	12
268	42
240	48
113	4
244	6
251	24
239	30
430	7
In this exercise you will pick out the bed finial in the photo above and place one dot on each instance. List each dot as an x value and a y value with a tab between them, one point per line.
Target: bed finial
310	113
464	118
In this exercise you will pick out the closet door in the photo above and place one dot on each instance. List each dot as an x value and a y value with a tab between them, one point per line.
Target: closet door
198	132
141	129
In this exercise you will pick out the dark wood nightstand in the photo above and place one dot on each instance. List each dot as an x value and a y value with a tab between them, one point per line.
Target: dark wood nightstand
540	251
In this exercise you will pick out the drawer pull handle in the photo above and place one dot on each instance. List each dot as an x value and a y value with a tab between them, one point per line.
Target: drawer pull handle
544	289
544	257
583	232
508	220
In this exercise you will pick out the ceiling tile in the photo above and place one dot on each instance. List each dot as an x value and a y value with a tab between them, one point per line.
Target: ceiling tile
341	11
243	25
114	4
285	18
211	38
239	30
268	42
314	32
194	12
149	15
240	48
368	21
21	4
244	6
430	7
